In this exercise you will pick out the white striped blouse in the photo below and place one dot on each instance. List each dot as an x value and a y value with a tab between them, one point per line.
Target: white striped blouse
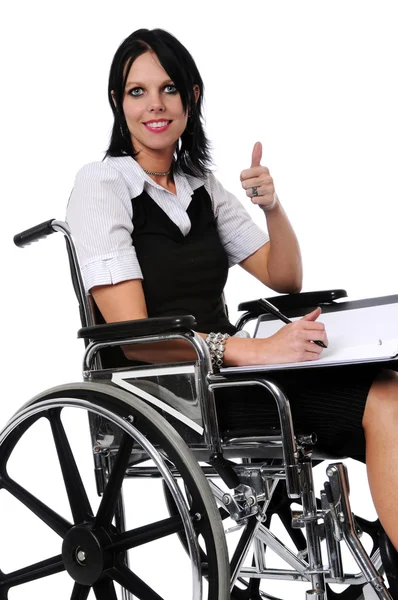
100	214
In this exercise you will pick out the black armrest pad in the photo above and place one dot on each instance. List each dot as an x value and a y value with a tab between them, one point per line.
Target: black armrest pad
137	328
294	301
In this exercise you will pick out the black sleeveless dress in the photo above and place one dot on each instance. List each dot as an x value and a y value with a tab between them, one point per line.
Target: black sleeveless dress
187	275
182	274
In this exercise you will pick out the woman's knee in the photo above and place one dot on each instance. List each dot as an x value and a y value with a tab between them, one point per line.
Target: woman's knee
382	402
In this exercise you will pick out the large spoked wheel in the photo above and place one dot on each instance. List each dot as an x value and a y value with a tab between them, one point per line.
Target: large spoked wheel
88	545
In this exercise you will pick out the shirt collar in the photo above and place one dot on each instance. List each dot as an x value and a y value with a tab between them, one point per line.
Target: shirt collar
136	178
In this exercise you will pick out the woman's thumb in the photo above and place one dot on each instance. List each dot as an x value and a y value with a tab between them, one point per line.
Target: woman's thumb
312	316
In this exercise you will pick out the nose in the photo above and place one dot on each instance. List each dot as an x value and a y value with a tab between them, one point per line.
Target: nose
156	103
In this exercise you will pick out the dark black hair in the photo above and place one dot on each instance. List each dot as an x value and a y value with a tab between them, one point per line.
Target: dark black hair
193	149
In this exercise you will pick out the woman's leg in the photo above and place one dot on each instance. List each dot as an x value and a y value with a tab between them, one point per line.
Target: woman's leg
380	422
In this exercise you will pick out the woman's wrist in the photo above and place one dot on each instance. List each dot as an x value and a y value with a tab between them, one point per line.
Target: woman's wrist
271	207
239	352
216	345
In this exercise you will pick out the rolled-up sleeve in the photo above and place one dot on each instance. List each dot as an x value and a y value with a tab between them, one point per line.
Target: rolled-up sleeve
239	235
99	214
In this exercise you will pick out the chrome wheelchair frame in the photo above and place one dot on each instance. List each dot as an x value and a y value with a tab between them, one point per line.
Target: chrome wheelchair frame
167	414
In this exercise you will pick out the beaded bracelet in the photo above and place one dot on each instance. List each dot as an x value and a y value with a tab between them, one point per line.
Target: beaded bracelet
216	345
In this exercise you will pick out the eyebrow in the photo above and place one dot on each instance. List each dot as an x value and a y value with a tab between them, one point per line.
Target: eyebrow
137	84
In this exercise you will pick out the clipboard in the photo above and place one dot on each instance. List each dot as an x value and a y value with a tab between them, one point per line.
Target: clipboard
359	331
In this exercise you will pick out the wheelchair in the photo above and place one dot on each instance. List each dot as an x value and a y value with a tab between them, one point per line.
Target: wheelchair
152	438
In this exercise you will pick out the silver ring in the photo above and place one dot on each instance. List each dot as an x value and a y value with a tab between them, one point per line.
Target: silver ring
254	191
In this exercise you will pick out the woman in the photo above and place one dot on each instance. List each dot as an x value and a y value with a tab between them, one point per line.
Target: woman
156	232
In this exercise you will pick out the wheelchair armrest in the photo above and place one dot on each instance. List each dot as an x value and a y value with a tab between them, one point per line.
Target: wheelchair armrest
137	328
294	301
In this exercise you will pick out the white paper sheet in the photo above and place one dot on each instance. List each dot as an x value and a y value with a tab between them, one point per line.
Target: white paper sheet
359	335
350	327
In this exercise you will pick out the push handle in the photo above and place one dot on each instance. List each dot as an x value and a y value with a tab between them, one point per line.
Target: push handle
34	234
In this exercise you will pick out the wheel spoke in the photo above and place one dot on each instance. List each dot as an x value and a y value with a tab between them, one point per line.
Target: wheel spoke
79	503
80	592
243	540
109	500
147	533
131	582
105	590
57	523
36	571
3	592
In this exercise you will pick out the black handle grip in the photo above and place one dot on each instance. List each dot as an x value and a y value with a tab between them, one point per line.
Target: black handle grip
34	234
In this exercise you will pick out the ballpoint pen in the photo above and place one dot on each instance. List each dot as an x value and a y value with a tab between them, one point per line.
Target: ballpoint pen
277	313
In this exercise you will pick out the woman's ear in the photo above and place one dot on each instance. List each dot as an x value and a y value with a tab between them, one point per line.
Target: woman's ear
196	92
113	98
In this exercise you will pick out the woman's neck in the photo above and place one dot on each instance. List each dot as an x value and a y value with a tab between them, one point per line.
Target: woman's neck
165	181
156	162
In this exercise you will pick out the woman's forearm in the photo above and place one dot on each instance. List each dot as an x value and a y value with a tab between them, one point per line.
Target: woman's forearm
292	343
284	259
238	351
284	269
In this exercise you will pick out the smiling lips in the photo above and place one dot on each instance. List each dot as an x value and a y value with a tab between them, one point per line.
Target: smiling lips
157	126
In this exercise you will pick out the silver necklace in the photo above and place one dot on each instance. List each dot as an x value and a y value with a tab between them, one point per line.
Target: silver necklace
157	173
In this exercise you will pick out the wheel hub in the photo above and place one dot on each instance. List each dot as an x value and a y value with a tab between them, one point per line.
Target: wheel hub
83	553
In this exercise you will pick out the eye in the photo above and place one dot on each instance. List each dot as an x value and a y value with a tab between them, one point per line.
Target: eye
170	89
136	92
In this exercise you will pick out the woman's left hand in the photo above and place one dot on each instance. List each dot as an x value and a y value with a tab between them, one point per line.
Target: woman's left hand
258	183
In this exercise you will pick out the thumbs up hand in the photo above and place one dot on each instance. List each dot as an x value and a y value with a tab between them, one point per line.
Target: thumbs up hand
258	183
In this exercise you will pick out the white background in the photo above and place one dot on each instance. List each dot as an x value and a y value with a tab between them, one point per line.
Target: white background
314	81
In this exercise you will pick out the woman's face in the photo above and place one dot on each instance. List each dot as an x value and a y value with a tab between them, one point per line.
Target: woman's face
152	106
